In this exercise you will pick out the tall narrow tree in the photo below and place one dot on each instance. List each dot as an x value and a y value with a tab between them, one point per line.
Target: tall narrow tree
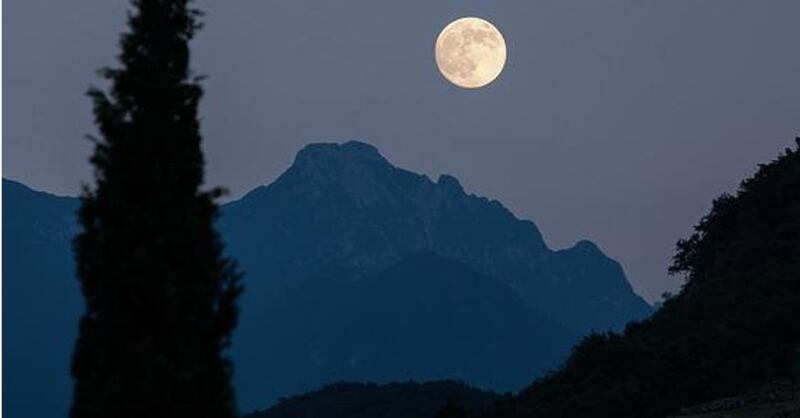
160	295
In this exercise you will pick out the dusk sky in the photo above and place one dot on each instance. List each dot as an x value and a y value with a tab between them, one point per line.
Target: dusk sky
615	121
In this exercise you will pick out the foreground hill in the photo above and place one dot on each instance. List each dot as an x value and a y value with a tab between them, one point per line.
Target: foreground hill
425	318
395	400
734	326
779	400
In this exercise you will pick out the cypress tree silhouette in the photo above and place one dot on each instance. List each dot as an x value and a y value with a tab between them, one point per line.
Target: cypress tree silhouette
160	295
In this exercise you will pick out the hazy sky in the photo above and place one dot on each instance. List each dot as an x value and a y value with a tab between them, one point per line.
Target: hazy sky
616	121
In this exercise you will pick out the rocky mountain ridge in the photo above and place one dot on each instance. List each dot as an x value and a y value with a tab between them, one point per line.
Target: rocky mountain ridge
346	205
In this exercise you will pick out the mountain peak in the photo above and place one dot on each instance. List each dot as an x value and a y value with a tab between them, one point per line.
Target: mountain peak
351	151
360	147
449	182
586	246
345	204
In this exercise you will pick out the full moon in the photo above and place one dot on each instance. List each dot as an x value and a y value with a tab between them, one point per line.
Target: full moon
470	52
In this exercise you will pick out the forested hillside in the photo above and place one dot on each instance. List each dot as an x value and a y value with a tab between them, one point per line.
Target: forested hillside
395	400
734	326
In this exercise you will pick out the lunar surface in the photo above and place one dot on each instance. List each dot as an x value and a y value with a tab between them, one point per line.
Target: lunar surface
470	52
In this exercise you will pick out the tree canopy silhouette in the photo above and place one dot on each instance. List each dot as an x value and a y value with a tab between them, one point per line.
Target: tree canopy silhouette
450	409
391	400
732	328
160	295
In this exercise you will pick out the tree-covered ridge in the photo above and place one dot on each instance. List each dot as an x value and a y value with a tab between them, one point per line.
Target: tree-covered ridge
735	324
369	400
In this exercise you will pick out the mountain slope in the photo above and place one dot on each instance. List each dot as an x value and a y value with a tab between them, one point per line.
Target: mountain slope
346	205
394	400
735	325
41	301
424	318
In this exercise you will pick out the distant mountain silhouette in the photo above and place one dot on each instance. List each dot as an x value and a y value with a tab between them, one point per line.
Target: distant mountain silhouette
340	214
394	400
346	205
425	318
41	301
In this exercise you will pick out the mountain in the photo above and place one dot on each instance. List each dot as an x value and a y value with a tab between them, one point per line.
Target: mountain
41	301
346	205
424	318
339	215
394	400
733	330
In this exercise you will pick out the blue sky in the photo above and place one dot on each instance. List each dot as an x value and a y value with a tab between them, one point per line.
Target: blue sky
616	121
